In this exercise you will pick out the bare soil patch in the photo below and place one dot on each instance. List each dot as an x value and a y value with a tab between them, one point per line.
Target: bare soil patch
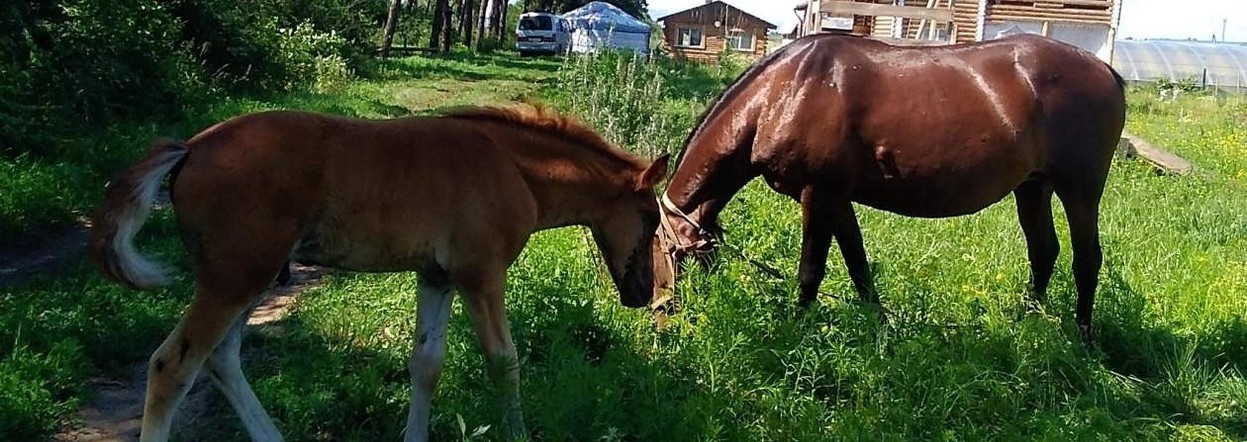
115	411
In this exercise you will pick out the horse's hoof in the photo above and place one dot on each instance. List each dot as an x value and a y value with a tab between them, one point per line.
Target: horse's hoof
878	308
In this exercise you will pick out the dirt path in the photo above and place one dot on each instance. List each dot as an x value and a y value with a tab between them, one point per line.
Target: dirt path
115	410
42	252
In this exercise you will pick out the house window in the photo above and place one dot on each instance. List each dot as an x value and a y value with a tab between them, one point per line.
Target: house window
740	40
688	38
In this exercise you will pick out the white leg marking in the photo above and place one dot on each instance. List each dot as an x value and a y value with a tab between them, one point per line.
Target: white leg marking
433	314
225	370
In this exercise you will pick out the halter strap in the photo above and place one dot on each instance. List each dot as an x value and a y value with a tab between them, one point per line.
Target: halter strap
668	230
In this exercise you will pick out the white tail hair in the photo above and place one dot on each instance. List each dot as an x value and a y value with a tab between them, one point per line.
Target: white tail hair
125	209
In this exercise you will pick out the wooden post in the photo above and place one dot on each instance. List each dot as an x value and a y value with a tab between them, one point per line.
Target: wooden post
982	21
1112	30
816	16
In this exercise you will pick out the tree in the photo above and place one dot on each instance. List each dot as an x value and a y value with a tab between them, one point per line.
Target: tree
440	23
391	20
448	31
467	18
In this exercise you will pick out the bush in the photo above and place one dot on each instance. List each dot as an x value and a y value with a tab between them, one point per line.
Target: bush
87	62
279	45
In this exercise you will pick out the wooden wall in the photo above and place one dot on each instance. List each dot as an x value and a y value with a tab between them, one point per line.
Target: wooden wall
965	20
1075	11
966	15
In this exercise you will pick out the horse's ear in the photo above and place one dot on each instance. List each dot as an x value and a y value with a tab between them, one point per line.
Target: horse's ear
653	174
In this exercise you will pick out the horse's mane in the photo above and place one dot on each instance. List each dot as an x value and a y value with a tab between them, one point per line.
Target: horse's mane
542	118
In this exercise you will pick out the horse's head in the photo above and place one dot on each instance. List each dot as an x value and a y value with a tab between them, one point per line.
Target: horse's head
623	231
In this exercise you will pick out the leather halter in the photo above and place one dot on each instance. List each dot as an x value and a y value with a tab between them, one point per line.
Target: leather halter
705	242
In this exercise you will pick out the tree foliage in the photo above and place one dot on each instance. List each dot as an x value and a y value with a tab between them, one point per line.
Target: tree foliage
76	64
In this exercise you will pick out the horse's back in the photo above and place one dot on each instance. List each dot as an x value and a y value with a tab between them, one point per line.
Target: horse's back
369	195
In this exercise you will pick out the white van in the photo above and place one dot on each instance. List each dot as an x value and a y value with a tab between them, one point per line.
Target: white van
542	33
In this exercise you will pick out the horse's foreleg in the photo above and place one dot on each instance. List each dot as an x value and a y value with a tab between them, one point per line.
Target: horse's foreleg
849	236
816	235
1084	232
1034	206
225	370
483	296
432	316
173	367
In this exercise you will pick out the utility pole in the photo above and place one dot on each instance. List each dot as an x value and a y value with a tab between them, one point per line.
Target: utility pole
1223	22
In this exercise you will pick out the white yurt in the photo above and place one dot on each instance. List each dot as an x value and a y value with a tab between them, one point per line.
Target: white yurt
602	25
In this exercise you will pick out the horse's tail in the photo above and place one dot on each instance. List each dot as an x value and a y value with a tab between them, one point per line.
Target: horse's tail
126	206
1121	81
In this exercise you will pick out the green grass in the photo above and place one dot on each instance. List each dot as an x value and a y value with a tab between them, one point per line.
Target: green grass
960	360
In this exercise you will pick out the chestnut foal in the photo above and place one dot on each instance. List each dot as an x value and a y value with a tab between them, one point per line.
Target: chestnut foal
453	197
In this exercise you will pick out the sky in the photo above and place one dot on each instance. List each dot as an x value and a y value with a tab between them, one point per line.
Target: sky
1140	19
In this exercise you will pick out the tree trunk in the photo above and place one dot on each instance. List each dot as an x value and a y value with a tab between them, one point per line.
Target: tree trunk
448	30
391	21
482	21
501	21
439	18
466	22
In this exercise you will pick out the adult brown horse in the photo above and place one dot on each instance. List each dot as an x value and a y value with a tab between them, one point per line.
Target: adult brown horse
918	131
453	197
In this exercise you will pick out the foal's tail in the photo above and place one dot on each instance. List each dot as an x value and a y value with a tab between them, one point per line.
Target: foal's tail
125	208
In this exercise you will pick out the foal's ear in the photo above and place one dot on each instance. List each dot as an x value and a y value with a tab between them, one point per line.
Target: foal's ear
653	174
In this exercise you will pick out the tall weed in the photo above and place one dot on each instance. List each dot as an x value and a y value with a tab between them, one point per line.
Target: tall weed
623	96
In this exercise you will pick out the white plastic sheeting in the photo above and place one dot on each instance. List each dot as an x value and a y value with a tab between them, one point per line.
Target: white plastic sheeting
1225	64
1093	38
599	25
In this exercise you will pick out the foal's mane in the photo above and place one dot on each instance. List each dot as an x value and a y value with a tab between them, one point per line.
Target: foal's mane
543	119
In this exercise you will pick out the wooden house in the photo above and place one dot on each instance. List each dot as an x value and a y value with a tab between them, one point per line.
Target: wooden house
703	32
1089	24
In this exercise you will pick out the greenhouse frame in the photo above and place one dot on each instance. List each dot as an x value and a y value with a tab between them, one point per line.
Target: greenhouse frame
1211	64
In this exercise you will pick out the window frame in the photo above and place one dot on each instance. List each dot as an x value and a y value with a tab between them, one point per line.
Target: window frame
735	34
701	37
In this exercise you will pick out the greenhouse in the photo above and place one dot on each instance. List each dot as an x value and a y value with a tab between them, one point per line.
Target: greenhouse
1221	65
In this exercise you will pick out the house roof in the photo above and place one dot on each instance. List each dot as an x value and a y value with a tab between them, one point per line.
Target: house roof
720	2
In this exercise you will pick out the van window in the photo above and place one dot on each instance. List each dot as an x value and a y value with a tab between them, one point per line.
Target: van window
535	23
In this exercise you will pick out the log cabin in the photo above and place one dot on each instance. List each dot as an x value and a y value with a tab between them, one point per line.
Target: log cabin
704	32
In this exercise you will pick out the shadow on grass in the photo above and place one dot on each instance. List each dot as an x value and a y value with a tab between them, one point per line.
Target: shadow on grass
581	380
587	374
468	67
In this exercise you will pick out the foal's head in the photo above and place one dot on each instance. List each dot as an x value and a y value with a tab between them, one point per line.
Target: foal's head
623	228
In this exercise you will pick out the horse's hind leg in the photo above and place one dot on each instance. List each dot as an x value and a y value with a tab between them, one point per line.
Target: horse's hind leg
1084	218
173	367
1034	206
225	370
234	269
